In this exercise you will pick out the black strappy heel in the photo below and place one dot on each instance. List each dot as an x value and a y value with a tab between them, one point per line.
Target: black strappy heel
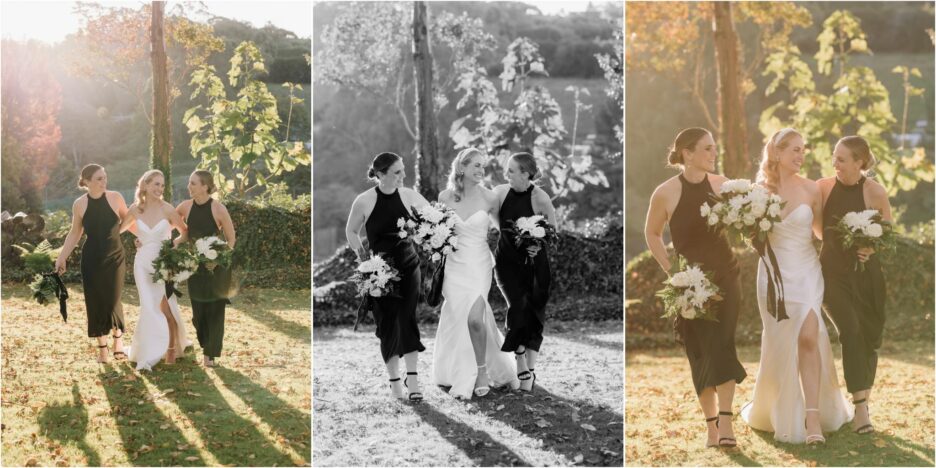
731	442
119	355
413	396
391	387
867	428
99	358
708	420
525	375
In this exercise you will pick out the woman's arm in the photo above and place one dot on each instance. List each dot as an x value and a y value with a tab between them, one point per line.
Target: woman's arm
175	219
128	218
227	225
353	227
74	234
653	230
817	211
122	212
543	205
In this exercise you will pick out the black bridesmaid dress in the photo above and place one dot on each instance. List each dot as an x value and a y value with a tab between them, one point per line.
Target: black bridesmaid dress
208	290
854	300
395	315
710	346
525	285
102	267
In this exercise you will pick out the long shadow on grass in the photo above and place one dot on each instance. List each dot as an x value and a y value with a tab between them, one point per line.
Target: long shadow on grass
231	438
257	310
140	423
290	423
591	341
478	445
558	423
68	423
841	446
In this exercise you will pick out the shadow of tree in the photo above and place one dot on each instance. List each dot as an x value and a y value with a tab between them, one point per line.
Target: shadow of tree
68	423
228	436
478	445
291	424
568	427
256	309
846	448
142	425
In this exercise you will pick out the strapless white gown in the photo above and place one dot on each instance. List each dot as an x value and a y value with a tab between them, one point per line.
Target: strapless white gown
151	337
778	405
468	273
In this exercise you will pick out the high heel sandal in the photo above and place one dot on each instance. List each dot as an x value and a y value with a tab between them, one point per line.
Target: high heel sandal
412	396
813	439
708	420
867	428
525	375
727	442
170	351
482	391
99	356
398	395
119	355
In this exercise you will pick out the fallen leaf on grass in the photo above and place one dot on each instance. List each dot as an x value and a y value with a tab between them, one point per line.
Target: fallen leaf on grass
589	427
880	443
543	423
578	458
499	407
164	427
144	449
191	458
32	462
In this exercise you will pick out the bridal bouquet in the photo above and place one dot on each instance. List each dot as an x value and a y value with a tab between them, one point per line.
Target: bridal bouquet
212	252
745	210
688	293
375	277
432	229
866	229
530	231
174	265
48	286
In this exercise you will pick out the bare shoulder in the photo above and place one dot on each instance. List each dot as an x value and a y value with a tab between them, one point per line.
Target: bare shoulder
875	188
167	208
501	189
219	207
80	202
540	195
185	206
811	186
114	195
667	190
365	198
715	178
488	194
445	196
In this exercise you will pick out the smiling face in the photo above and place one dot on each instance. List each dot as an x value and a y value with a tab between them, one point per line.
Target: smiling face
703	155
154	189
393	178
515	176
790	158
845	164
195	186
97	182
473	169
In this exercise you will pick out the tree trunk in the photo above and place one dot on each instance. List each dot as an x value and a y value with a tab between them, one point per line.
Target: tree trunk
733	127
427	167
162	139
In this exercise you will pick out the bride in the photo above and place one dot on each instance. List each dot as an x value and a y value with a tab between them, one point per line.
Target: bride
467	353
159	331
797	394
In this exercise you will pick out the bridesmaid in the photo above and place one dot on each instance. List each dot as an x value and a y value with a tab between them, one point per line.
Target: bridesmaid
98	213
709	345
377	211
853	299
209	291
524	285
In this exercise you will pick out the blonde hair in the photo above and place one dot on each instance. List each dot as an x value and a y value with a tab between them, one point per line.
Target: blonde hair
456	177
860	151
145	179
768	174
206	178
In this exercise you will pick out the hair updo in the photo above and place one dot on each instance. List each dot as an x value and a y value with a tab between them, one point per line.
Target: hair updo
686	139
769	174
860	151
87	173
381	164
527	164
456	177
207	179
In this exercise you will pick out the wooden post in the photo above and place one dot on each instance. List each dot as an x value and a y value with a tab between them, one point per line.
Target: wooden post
161	146
732	121
427	166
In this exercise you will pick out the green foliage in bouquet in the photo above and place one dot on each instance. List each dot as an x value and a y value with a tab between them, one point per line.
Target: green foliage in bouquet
685	282
44	289
174	264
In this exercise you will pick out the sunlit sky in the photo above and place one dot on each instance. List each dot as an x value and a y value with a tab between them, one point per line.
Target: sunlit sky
52	21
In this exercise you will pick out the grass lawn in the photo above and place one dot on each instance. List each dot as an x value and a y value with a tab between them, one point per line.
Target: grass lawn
61	408
665	425
573	417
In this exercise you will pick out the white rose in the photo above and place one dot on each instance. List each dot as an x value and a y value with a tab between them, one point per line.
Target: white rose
749	219
774	210
705	210
758	209
731	217
401	222
436	257
402	234
712	219
376	292
736	202
765	225
874	230
680	280
447	250
538	232
718	207
688	313
410	223
183	275
695	275
202	245
453	241
211	254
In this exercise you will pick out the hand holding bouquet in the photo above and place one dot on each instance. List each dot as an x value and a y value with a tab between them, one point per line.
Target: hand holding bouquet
532	233
174	265
744	210
866	229
432	229
689	293
211	252
375	277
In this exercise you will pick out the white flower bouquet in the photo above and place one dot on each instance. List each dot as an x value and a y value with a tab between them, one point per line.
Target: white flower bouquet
744	210
530	231
861	229
174	265
689	293
211	252
375	277
432	229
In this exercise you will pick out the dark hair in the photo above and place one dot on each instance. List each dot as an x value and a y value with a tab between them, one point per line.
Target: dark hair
206	178
860	151
527	164
87	173
686	139
381	164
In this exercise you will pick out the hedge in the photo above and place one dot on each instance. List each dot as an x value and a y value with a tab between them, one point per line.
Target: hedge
273	248
587	274
909	307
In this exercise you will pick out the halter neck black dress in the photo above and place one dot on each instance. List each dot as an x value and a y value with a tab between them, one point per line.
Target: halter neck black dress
395	316
525	285
853	299
208	290
710	346
102	267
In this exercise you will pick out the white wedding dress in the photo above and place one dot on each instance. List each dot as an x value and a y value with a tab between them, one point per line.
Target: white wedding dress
151	337
468	273
778	405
